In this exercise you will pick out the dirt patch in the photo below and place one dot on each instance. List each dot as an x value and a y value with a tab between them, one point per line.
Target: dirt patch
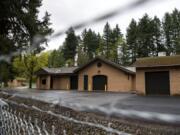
80	126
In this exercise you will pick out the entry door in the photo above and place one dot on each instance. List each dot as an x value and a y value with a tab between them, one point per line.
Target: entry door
157	83
51	82
85	82
74	82
99	82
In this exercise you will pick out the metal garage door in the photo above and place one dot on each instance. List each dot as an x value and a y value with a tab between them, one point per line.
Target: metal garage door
157	83
99	82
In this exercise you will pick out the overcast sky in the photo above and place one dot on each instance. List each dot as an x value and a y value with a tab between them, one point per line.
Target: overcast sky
65	13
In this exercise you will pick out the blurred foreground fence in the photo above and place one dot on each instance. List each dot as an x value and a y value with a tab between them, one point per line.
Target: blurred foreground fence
13	123
19	119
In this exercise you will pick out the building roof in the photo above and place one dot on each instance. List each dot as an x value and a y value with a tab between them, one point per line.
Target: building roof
122	68
72	70
61	70
162	61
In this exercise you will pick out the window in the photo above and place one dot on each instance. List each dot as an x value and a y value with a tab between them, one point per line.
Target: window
99	64
43	81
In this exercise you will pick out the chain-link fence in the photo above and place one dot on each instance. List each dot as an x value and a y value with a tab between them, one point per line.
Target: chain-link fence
21	119
13	123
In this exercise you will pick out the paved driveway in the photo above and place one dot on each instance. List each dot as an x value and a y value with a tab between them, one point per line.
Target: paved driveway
163	108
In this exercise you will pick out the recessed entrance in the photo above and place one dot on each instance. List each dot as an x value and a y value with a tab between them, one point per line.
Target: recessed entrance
99	82
74	82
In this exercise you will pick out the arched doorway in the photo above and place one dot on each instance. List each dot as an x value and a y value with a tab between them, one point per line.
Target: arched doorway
99	82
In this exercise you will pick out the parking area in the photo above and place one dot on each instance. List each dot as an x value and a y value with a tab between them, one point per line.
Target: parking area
149	107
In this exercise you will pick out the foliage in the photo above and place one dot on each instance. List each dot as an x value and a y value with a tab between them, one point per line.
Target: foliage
19	29
70	46
56	58
27	66
132	40
106	40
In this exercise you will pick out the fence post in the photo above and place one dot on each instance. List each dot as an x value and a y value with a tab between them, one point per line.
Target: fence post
53	130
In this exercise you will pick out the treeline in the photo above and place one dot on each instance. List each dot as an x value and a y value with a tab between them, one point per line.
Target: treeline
144	38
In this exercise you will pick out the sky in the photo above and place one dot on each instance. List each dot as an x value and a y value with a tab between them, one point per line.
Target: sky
65	13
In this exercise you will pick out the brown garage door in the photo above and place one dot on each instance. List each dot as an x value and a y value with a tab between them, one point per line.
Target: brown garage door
157	83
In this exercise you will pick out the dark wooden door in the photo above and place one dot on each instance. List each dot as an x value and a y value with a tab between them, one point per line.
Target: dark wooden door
51	82
157	83
85	82
74	82
99	82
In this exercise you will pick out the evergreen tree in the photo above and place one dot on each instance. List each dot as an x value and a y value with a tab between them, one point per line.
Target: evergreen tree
90	42
83	57
56	59
70	46
99	51
124	55
116	40
107	40
145	36
176	29
132	40
157	37
168	33
20	27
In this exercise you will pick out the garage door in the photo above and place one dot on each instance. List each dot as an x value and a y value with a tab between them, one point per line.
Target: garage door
157	83
99	82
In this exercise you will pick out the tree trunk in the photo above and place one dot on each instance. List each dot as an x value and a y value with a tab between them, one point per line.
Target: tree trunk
30	82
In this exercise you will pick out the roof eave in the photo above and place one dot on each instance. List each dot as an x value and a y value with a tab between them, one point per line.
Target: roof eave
151	66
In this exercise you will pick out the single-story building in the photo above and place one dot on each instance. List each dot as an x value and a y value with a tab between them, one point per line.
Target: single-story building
152	76
17	82
56	78
158	75
98	74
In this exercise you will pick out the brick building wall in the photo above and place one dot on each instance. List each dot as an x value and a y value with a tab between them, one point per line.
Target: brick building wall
117	80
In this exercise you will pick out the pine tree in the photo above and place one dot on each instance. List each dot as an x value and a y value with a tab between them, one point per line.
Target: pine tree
116	40
132	40
124	55
70	46
168	33
176	30
19	28
56	58
145	36
100	51
90	42
107	40
157	37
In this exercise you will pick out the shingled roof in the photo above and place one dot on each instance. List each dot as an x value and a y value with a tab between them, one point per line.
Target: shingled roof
161	61
61	70
117	66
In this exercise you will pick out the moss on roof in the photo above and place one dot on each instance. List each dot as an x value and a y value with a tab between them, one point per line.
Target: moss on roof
158	61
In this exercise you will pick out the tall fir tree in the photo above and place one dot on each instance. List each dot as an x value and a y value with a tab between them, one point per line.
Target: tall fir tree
90	42
176	30
132	40
116	41
70	46
157	37
145	36
107	40
168	34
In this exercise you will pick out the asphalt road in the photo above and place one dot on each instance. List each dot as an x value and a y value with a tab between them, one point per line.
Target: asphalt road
156	108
